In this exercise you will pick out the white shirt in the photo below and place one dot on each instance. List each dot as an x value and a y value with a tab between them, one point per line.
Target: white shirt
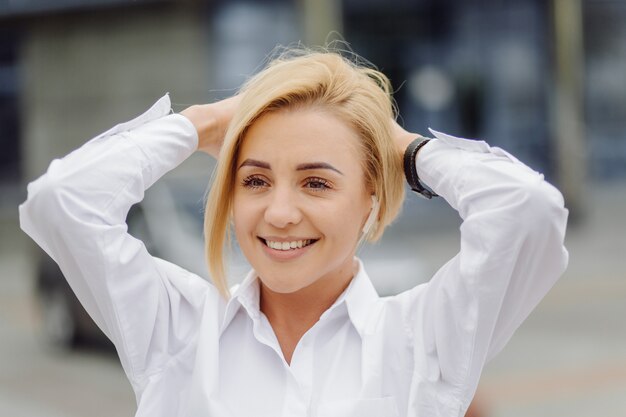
187	352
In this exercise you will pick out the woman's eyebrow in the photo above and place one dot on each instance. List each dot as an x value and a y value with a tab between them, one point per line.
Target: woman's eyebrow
254	163
301	167
317	165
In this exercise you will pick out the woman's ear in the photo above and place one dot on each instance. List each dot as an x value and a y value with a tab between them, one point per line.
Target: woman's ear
373	216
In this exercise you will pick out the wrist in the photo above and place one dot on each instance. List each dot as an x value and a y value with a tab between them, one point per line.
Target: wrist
205	119
404	141
403	138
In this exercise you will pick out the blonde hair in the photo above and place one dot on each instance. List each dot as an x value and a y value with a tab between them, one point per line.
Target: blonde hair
356	93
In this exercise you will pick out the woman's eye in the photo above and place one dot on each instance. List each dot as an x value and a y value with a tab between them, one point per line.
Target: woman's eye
253	182
317	184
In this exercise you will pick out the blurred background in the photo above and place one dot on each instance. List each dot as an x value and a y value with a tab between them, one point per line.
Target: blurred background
543	79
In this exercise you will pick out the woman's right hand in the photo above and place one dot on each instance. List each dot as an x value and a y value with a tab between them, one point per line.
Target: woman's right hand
211	121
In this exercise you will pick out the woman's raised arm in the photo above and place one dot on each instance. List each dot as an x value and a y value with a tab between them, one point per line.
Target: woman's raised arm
511	254
76	212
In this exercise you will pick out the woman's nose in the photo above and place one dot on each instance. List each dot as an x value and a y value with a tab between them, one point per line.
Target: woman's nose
282	209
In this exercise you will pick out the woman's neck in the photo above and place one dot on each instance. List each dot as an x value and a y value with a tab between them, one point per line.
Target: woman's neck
293	314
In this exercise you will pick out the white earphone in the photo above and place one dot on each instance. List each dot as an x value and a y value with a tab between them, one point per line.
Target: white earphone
371	219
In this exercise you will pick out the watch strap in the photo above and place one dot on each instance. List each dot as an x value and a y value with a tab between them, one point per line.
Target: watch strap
410	170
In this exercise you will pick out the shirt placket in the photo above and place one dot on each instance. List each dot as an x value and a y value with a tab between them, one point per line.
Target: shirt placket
300	381
298	384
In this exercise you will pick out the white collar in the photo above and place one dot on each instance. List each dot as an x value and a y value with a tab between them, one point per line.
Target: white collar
359	297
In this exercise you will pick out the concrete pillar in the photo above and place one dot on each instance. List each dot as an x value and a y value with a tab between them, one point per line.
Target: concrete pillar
569	111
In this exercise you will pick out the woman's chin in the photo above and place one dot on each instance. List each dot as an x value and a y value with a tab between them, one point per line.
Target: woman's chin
281	287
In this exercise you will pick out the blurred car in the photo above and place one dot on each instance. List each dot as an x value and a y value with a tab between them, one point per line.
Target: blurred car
168	220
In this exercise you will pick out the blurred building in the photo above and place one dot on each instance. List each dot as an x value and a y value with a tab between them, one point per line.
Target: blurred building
485	69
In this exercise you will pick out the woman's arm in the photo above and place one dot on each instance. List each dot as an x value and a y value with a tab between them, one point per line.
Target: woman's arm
511	254
76	212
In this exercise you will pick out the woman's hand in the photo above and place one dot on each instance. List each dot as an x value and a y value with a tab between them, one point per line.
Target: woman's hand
211	121
402	137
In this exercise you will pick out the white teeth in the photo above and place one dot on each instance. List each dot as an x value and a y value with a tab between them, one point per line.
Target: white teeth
288	245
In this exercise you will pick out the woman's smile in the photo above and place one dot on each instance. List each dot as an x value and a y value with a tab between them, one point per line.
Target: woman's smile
286	249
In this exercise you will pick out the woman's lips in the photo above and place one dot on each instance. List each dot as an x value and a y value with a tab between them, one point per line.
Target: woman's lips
289	254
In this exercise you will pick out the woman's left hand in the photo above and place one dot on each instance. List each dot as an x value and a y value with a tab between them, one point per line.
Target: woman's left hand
402	137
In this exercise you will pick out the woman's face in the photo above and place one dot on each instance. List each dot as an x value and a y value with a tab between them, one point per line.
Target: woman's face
300	199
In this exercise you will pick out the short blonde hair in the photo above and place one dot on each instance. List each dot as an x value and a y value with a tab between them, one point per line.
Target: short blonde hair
356	93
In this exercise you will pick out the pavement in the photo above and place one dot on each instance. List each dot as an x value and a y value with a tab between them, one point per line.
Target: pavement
567	359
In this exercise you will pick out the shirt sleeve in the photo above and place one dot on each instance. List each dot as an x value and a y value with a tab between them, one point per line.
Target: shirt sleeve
511	254
76	211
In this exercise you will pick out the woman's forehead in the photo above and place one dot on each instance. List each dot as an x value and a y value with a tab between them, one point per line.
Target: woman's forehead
300	136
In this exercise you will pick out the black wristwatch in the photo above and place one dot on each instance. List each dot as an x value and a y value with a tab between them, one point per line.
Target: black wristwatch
410	170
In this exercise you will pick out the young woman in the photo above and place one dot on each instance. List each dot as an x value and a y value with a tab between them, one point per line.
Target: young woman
310	163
